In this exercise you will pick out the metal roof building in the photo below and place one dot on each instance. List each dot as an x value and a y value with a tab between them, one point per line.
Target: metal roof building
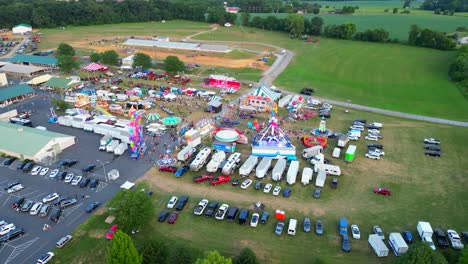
177	45
9	95
18	70
32	143
42	61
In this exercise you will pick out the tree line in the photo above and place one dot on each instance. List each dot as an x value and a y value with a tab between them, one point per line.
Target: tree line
458	71
446	5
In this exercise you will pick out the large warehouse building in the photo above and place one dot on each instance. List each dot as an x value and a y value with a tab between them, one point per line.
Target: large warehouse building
32	143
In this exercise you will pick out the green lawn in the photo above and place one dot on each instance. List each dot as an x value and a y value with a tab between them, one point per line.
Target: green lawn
424	188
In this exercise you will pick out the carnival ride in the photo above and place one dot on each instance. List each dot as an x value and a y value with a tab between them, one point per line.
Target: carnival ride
137	144
166	160
319	135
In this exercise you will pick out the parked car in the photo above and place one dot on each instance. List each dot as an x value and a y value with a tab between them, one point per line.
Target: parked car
319	227
431	141
18	203
163	215
465	236
8	161
11	184
307	224
63	241
53	173
355	231
50	197
220	180
35	171
45	210
277	190
317	193
43	171
181	170
455	239
45	258
172	202
378	231
372	156
173	217
92	206
27	206
246	183
93	184
221	212
67	163
258	185
12	234
28	167
203	177
439	237
376	151
407	236
371	137
168	169
279	228
84	182
67	203
35	209
383	191
345	245
62	175
432	147
267	188
198	210
211	208
76	180
235	182
110	234
15	188
89	168
287	192
181	203
20	165
69	178
432	153
334	183
353	138
379	146
254	220
6	228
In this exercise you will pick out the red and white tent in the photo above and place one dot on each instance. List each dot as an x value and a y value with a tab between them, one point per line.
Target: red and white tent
95	67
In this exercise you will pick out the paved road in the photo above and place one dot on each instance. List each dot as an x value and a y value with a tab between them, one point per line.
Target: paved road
13	50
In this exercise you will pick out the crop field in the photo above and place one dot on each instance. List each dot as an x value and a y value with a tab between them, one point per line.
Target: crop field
423	188
390	76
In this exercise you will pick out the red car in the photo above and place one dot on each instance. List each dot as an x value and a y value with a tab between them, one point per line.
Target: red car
168	169
383	191
111	232
220	179
204	177
173	217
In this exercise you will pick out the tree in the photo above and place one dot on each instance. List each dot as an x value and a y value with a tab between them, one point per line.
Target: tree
407	4
95	57
172	64
421	253
315	10
122	250
349	30
110	57
181	254
395	10
67	63
245	17
295	24
65	49
142	60
316	26
464	256
213	257
133	209
246	256
154	251
413	34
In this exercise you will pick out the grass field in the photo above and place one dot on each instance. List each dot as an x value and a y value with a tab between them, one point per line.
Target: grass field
424	188
389	76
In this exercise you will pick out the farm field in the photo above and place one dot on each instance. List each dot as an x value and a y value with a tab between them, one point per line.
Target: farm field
390	76
424	188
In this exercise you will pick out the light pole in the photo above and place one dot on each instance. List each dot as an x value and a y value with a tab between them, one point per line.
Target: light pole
104	167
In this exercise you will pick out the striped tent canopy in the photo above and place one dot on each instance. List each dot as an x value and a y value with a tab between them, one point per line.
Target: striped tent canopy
266	92
152	117
215	98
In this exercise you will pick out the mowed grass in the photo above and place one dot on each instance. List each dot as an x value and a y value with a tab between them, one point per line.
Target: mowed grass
424	188
390	76
174	28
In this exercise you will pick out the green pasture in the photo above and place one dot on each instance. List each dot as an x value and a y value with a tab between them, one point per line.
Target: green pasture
424	188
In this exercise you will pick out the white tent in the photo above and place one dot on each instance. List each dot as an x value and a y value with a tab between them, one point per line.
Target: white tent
127	185
3	79
266	92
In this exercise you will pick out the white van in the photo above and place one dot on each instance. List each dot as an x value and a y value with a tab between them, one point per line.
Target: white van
292	227
35	209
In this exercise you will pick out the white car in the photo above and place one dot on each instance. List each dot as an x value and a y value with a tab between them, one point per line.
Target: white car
378	231
431	141
50	197
455	239
172	202
221	212
44	171
69	178
373	131
245	184
16	188
277	190
6	228
76	180
360	128
377	152
45	258
254	220
200	207
35	171
372	156
35	209
327	105
355	231
267	188
53	173
371	137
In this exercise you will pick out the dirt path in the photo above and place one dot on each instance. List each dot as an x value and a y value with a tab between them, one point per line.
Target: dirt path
172	184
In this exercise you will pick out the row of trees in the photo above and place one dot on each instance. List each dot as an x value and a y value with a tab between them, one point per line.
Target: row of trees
430	39
109	57
450	5
458	71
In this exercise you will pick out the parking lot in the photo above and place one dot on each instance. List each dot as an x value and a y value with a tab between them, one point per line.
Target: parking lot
35	241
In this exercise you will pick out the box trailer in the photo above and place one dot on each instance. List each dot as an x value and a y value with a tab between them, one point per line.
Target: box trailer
65	120
278	170
105	140
248	166
200	159
320	178
231	164
350	153
292	172
120	149
342	141
215	161
306	175
329	169
186	153
112	145
263	167
397	243
312	151
425	232
284	101
377	245
336	153
319	158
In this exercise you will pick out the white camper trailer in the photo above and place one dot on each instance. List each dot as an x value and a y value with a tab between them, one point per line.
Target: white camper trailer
278	170
248	166
120	149
342	141
200	159
312	151
292	172
378	246
320	178
397	243
284	101
329	169
306	175
112	145
232	163
263	167
215	161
